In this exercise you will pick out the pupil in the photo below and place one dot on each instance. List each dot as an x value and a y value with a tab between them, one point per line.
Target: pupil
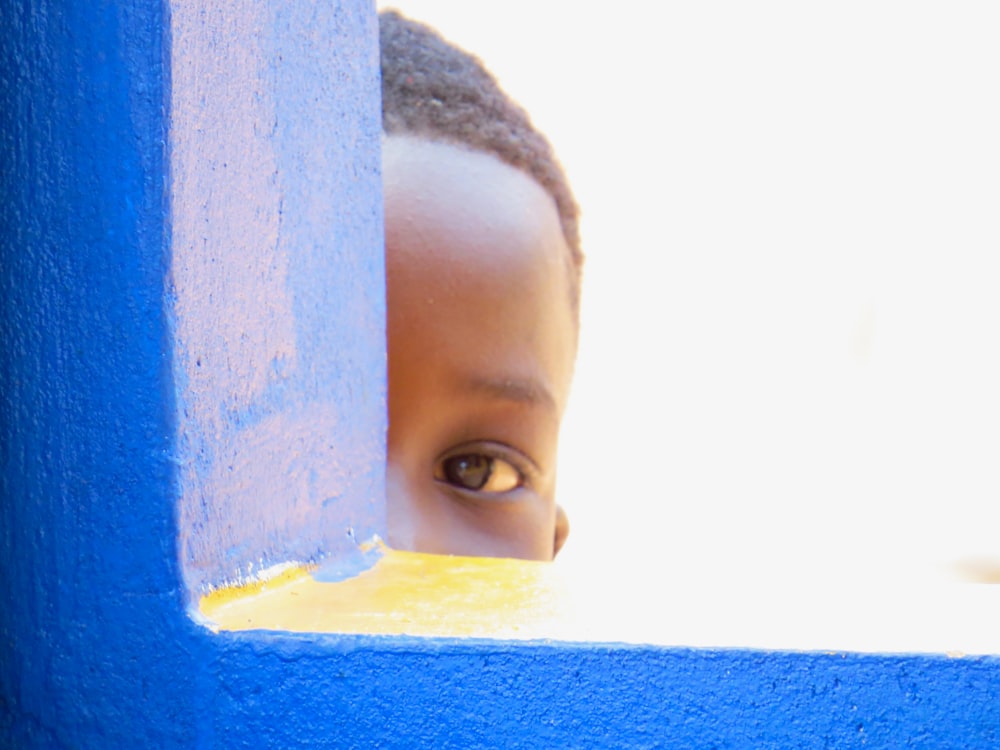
471	472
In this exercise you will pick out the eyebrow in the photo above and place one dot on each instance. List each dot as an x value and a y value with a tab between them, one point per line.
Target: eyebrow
520	390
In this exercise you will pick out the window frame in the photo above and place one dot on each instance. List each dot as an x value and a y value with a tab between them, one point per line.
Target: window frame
98	646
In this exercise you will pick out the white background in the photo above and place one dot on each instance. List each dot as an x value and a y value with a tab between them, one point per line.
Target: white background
790	360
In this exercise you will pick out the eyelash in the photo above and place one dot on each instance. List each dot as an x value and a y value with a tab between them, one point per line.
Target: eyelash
499	461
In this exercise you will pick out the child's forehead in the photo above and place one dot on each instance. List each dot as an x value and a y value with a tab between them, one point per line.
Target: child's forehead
466	196
475	245
439	158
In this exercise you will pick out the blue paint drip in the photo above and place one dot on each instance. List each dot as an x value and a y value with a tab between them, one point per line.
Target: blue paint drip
358	560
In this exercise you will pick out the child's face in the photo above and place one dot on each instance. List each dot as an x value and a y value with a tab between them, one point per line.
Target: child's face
481	347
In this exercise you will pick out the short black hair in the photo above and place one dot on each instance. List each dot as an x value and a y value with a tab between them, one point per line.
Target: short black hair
435	90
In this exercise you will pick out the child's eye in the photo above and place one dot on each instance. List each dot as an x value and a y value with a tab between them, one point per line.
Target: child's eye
480	473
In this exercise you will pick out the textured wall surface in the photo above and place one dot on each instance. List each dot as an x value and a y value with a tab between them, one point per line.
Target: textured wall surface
103	323
89	624
275	284
370	692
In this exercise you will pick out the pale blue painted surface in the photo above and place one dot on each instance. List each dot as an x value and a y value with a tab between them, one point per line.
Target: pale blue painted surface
275	284
97	650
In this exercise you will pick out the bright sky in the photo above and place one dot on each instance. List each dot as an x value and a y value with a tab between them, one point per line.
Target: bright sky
791	325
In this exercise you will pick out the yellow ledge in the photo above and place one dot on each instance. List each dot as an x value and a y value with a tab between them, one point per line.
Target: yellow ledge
407	593
404	593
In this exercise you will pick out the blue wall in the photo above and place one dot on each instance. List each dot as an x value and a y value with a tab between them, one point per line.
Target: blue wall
407	693
90	598
97	648
275	284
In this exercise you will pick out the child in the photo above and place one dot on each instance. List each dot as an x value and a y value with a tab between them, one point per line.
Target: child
483	278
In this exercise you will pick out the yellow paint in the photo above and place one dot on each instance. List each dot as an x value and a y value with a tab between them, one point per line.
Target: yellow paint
240	591
407	593
979	569
403	593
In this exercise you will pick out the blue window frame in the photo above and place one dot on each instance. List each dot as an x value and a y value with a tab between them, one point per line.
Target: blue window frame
111	452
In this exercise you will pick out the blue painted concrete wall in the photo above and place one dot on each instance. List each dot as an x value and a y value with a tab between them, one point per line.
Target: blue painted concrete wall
90	597
405	693
96	647
275	283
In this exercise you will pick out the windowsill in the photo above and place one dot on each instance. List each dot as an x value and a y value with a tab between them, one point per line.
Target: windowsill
404	593
414	594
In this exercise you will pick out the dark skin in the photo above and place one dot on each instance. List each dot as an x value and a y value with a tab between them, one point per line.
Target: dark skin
482	341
